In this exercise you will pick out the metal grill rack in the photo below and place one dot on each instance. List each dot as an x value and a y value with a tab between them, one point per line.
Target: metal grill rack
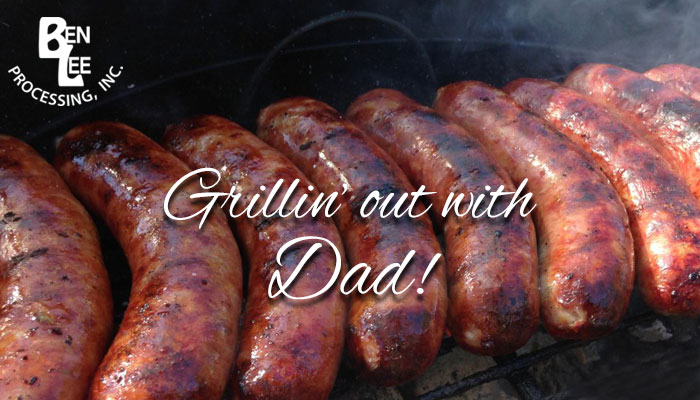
513	368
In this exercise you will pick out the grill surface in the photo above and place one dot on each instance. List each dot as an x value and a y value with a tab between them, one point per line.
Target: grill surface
648	355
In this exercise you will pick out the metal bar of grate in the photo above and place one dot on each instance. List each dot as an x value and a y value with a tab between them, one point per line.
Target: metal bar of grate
509	369
522	381
526	386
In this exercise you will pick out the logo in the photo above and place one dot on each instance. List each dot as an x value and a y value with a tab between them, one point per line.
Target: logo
69	46
65	38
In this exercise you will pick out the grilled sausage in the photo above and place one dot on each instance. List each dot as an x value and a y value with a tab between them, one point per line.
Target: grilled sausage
289	349
391	339
178	336
491	263
585	245
667	119
684	78
56	315
664	216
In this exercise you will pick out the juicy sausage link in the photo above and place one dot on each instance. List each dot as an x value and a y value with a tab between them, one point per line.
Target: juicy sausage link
684	78
391	338
56	314
491	263
178	336
671	119
289	349
585	245
664	216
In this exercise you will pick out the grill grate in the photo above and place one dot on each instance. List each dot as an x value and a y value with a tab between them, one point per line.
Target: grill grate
512	367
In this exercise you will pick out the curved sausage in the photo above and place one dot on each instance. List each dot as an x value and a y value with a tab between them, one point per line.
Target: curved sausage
491	263
667	119
684	78
178	336
664	216
56	307
391	339
585	245
289	349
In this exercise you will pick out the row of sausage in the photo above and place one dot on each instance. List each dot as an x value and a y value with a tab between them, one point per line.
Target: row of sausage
612	159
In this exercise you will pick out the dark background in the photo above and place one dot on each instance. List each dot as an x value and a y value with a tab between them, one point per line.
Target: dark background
182	58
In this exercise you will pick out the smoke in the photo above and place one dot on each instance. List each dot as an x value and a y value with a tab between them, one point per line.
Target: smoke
631	33
486	40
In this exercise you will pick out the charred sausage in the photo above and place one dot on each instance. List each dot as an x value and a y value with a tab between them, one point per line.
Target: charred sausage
664	216
178	336
667	119
585	245
491	263
289	349
684	78
56	315
391	338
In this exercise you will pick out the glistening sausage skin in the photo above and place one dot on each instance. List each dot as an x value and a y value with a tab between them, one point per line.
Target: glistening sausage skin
585	244
178	336
684	78
289	349
664	215
391	338
56	307
491	263
667	119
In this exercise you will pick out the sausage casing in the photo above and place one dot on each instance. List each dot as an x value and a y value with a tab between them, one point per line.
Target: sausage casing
684	78
56	315
391	338
664	216
667	119
178	336
289	349
491	263
585	245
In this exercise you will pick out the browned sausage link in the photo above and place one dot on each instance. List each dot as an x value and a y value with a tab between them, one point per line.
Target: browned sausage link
290	349
663	213
391	339
671	119
491	263
684	78
56	315
585	245
178	336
